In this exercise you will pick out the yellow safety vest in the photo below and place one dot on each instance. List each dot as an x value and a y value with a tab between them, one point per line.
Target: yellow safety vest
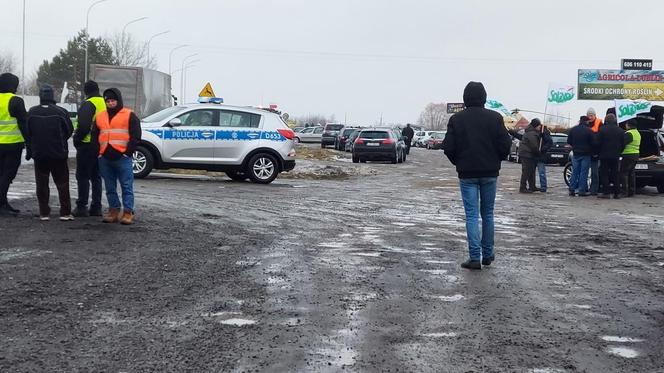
633	147
100	106
9	131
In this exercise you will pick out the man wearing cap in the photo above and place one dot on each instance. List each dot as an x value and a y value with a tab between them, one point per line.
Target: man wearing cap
117	131
595	123
12	129
87	166
47	130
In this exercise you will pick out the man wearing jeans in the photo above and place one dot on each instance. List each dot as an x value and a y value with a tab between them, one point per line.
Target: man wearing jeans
118	131
476	142
581	140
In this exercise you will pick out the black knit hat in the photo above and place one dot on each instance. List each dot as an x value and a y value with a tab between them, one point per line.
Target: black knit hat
535	123
110	94
90	87
46	94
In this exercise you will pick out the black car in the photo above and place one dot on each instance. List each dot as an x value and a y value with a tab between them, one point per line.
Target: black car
379	144
351	139
559	152
342	137
330	132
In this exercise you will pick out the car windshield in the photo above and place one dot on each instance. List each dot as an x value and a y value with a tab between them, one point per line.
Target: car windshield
374	135
161	115
334	127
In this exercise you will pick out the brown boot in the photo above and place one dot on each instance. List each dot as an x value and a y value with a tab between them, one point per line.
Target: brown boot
111	216
127	218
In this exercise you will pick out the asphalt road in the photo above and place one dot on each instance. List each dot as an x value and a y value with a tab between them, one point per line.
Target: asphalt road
354	274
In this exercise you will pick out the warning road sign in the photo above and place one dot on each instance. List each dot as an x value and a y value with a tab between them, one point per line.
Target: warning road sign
207	91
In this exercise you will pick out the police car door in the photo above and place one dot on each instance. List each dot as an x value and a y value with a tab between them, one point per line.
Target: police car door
238	134
192	141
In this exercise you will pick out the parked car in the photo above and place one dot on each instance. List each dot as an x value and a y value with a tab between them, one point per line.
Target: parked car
421	137
379	144
351	139
435	140
559	152
330	132
342	137
309	134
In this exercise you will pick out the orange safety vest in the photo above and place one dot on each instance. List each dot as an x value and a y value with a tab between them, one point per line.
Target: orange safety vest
114	132
596	125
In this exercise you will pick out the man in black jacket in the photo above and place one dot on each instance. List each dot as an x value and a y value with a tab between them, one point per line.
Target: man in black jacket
87	166
545	145
117	132
47	131
12	132
476	143
582	141
610	144
408	133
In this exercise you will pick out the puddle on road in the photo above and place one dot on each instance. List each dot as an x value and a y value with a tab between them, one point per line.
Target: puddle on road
625	352
611	338
238	322
450	298
435	271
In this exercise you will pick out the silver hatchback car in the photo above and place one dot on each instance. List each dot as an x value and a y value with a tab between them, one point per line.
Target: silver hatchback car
244	142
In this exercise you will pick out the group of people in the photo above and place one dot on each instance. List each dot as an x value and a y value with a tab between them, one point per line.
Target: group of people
608	151
105	135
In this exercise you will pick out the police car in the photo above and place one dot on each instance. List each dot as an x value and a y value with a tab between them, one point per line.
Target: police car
244	142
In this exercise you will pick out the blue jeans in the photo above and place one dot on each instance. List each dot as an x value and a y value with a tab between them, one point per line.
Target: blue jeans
594	175
541	169
579	180
118	171
479	196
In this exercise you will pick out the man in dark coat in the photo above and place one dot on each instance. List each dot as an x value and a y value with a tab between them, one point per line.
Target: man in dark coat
610	144
408	133
48	129
545	145
12	131
529	154
476	143
582	141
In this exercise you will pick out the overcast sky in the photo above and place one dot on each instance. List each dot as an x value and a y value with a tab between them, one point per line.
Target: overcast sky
361	58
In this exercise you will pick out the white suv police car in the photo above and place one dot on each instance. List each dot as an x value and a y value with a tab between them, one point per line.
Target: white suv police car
243	142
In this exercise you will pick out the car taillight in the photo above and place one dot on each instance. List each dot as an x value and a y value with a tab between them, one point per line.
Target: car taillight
359	141
387	141
287	133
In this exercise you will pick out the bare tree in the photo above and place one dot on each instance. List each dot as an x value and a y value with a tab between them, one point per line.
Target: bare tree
434	117
130	52
314	119
7	62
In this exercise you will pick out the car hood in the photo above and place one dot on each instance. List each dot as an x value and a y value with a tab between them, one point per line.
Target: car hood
151	124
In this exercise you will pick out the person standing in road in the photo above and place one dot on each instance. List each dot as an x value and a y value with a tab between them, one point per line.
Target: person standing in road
117	132
408	133
529	155
545	145
476	142
610	144
595	124
630	156
581	140
47	130
12	129
87	166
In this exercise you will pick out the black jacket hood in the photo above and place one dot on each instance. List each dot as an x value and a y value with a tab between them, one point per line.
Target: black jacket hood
116	94
46	95
474	95
8	83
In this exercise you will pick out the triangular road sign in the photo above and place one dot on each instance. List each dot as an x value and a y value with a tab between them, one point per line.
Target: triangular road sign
207	91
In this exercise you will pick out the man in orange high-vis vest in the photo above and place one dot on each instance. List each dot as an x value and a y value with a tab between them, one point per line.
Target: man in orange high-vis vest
117	132
595	123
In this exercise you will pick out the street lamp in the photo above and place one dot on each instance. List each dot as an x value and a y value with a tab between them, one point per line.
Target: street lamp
87	35
130	22
170	57
184	82
184	62
150	40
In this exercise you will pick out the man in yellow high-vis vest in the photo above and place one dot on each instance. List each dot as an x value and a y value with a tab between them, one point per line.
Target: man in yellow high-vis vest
630	156
12	129
87	166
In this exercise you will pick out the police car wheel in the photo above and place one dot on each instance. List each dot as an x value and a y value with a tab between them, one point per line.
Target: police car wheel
142	162
262	168
236	176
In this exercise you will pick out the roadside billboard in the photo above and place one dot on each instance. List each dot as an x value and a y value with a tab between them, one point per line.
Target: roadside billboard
455	107
621	85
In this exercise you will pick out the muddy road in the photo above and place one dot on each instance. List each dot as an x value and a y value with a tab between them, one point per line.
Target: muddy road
356	273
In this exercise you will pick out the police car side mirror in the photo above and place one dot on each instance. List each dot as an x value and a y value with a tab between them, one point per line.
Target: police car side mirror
174	122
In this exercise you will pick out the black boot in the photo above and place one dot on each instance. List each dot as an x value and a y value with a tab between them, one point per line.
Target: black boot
470	264
488	260
7	210
80	212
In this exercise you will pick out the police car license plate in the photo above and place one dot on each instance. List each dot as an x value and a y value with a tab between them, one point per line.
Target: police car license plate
372	144
641	166
556	155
